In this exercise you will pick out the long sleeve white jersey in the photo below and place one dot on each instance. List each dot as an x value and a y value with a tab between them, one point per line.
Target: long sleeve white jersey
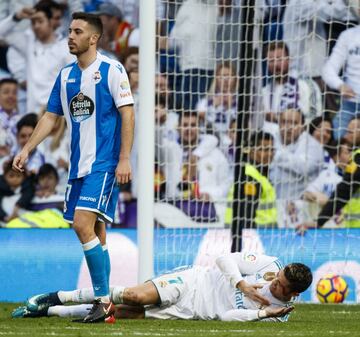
345	55
211	294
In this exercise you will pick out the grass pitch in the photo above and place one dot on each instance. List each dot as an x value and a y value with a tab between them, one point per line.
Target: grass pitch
306	320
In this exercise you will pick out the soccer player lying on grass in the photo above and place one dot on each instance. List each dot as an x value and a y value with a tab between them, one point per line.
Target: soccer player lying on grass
244	287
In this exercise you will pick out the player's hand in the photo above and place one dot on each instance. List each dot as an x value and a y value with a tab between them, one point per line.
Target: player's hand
346	91
277	312
302	228
25	13
19	160
123	171
250	290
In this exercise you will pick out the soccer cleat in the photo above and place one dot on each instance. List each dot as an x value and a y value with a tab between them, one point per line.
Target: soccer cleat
110	320
43	302
99	312
24	312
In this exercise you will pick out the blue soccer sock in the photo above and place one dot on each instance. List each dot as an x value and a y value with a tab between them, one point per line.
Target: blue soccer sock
96	263
107	262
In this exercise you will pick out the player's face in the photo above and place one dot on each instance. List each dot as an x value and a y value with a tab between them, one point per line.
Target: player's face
291	126
41	26
80	37
280	287
8	96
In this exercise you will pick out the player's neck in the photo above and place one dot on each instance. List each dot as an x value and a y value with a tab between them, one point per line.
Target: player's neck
87	58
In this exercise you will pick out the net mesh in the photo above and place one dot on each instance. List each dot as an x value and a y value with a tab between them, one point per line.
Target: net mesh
253	105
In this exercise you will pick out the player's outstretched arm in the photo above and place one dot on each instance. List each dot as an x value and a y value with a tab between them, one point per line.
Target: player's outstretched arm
248	315
42	130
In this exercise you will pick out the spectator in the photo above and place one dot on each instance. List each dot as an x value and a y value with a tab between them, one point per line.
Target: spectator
284	89
195	168
257	199
9	115
37	46
130	59
352	135
219	107
319	191
228	32
48	180
16	192
193	35
346	194
321	129
305	35
25	128
345	55
298	159
118	34
55	151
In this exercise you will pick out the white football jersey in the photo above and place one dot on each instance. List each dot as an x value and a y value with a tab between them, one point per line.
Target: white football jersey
210	293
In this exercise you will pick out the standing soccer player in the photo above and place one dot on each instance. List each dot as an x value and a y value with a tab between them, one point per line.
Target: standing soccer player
90	93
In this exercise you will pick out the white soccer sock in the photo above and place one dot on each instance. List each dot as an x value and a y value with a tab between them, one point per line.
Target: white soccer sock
117	294
70	310
85	295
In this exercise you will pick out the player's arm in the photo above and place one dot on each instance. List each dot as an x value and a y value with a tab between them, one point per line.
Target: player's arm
42	130
248	315
343	192
235	265
123	170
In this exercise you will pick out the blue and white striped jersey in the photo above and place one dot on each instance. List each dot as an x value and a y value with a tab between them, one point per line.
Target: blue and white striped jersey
89	100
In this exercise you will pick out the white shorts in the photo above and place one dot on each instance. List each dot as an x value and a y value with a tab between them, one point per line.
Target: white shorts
176	292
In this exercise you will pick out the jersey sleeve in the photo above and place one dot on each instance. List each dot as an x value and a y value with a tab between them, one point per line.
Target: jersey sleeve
54	102
119	85
235	266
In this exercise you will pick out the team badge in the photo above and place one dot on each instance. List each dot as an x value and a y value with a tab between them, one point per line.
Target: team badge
81	107
250	257
124	85
97	77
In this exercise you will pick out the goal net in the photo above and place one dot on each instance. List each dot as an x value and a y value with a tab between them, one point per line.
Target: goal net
253	104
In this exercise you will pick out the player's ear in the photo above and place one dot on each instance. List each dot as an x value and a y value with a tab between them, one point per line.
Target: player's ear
94	38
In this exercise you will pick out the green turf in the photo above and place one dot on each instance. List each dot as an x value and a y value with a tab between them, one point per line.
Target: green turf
307	320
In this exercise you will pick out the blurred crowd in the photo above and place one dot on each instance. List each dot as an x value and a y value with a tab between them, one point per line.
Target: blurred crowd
306	102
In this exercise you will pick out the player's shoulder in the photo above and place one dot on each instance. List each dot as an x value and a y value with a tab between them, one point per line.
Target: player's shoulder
113	64
348	33
263	261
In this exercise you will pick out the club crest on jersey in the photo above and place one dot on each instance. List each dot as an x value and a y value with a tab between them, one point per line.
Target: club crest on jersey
81	107
97	77
250	257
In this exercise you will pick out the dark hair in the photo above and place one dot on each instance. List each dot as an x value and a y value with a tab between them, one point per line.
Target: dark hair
92	19
30	119
128	52
334	147
187	113
160	100
273	45
315	123
45	7
46	170
8	80
7	166
299	276
54	5
258	137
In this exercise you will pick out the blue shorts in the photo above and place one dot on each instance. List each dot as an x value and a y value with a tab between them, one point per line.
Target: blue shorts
97	192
